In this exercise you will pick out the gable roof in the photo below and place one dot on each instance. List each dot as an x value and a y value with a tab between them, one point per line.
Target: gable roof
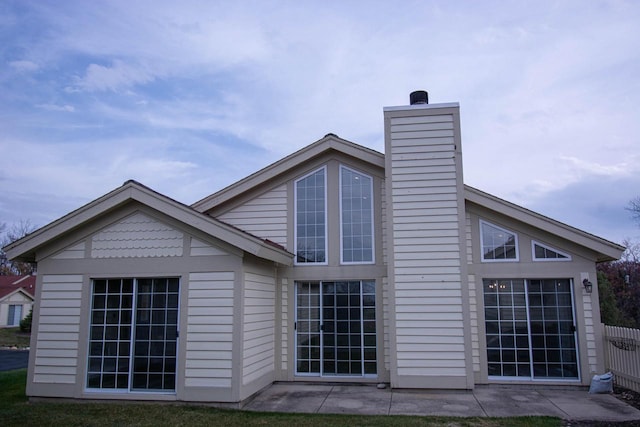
25	248
607	251
330	142
12	284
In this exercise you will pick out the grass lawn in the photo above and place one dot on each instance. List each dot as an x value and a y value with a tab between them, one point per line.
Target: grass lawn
16	411
10	337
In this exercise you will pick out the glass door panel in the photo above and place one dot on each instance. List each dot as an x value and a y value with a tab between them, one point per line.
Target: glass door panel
308	328
553	338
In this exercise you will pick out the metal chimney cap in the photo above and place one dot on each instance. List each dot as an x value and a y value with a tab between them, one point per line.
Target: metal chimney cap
418	97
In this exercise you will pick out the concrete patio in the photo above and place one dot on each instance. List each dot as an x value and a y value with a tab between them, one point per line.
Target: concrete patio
485	401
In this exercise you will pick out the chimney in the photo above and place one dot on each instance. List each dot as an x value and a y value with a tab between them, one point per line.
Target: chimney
427	260
419	97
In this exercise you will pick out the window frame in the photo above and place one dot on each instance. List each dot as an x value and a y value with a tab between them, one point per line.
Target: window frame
482	251
320	325
132	339
295	219
542	245
530	319
372	206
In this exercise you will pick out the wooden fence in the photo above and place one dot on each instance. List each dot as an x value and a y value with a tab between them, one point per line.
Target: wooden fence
622	355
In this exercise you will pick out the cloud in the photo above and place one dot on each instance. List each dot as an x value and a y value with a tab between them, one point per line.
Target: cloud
114	78
24	65
53	107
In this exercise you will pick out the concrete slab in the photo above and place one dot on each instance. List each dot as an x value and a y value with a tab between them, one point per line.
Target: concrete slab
303	398
361	400
580	405
437	403
501	401
504	402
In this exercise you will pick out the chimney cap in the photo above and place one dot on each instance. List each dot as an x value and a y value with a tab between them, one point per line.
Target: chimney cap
418	97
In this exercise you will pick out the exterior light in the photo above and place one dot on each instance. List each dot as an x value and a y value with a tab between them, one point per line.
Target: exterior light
588	286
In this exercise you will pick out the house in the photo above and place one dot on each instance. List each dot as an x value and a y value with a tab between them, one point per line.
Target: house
16	298
335	264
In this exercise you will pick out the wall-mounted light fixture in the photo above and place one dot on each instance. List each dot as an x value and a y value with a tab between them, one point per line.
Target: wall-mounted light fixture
588	286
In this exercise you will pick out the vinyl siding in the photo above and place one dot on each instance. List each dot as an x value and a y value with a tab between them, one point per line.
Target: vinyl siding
72	252
200	248
284	307
264	216
385	324
473	299
56	358
137	236
258	327
209	330
592	356
426	247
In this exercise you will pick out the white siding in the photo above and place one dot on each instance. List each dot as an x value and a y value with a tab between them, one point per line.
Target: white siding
285	323
425	247
200	248
72	252
259	326
58	330
209	330
135	237
264	216
385	323
590	334
475	337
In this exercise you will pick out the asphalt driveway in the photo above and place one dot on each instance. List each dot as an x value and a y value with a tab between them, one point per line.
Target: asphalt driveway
13	359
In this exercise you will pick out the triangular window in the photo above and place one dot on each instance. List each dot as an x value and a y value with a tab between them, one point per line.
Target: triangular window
497	243
543	252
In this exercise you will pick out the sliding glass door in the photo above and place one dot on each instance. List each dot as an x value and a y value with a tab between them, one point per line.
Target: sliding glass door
336	328
530	329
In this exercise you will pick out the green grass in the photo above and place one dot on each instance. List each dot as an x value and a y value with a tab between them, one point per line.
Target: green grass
10	337
16	411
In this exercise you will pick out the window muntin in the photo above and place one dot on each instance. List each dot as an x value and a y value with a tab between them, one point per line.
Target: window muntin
133	334
356	217
529	327
311	218
542	252
498	244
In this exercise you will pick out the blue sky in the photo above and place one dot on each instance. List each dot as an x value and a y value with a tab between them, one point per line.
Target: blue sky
188	97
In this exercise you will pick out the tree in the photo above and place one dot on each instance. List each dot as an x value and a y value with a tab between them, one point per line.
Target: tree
634	208
25	324
10	235
609	312
622	278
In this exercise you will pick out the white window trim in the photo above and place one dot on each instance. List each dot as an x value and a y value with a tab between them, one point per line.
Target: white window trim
295	220
516	259
373	240
533	253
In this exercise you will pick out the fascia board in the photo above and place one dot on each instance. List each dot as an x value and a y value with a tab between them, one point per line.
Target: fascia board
141	194
68	222
608	251
287	163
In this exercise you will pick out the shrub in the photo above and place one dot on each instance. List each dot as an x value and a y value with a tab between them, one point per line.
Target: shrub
25	324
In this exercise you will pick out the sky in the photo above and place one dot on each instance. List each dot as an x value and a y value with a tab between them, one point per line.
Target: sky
188	97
